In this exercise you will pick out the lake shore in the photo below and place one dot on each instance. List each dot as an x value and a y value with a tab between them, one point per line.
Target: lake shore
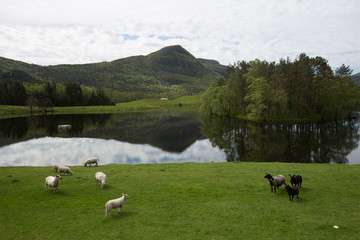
186	102
182	201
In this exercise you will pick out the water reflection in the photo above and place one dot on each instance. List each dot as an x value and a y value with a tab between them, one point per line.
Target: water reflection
171	131
303	143
74	151
172	136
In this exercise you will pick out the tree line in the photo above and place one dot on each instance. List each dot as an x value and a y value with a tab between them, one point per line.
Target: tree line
50	94
305	88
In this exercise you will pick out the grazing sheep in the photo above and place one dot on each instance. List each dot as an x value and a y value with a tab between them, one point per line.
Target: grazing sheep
64	169
115	203
295	180
56	167
92	160
292	191
101	178
52	182
276	181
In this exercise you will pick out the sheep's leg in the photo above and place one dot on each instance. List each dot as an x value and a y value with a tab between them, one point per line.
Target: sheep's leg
108	211
120	209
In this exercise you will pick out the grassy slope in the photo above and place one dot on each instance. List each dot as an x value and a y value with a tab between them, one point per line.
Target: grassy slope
184	73
182	201
7	111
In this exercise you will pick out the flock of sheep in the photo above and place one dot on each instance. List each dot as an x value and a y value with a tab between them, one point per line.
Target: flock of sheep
54	181
277	181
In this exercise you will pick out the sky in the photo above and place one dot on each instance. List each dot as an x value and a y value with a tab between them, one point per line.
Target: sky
50	32
48	151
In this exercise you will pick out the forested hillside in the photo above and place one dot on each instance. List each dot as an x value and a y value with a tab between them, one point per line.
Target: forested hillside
169	70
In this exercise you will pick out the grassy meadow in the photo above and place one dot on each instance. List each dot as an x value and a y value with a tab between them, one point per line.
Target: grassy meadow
182	201
7	111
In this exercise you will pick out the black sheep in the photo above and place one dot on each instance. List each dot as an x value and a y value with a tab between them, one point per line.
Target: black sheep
295	180
292	191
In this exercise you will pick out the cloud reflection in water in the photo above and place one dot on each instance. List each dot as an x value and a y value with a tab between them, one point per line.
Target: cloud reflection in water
74	151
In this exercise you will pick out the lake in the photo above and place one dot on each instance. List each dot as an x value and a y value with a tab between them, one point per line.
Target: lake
171	137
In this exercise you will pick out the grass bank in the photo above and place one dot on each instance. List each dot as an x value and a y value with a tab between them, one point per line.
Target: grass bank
185	102
182	201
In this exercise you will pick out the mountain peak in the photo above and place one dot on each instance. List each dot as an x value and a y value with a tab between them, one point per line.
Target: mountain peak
171	50
175	60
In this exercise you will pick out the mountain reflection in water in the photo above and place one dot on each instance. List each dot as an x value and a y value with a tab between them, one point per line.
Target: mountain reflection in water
74	151
172	136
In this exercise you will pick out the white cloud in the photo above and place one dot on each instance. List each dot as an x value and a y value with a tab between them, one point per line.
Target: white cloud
67	31
48	151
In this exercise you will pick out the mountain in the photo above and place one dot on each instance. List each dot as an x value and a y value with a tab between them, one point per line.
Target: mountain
171	69
356	78
213	65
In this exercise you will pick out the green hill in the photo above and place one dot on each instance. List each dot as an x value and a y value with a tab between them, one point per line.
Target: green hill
171	69
356	78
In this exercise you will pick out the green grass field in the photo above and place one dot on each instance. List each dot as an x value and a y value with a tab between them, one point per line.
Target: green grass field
7	111
182	201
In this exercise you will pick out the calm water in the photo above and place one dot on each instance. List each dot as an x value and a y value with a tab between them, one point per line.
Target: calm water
170	136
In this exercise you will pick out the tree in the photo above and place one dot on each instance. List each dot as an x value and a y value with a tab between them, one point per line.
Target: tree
74	94
306	88
31	102
45	105
303	74
343	71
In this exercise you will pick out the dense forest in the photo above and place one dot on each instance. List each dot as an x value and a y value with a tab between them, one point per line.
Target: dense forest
47	95
305	88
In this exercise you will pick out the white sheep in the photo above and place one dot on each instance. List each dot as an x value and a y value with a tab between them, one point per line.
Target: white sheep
52	182
56	167
101	178
64	169
115	203
92	160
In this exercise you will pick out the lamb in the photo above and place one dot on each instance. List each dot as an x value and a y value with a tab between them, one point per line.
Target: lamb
100	177
115	203
276	181
64	169
92	160
52	182
295	180
292	191
56	167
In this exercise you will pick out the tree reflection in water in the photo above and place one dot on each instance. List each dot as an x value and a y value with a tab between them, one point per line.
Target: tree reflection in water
302	143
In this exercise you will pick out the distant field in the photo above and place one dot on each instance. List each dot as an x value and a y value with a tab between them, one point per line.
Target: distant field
182	201
7	111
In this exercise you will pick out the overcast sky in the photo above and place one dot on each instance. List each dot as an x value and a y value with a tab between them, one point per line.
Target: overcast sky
49	32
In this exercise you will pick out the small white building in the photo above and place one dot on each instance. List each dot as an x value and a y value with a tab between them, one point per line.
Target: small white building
64	127
164	99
